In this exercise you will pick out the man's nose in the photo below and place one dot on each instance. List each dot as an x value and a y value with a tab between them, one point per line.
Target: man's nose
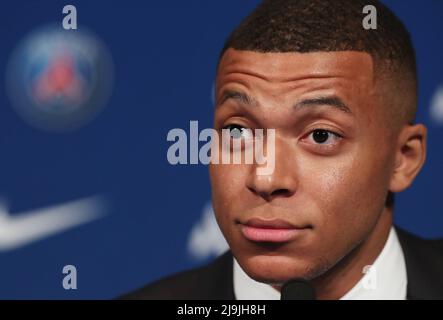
281	182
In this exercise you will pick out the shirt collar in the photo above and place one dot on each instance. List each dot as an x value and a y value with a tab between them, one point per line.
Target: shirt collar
386	279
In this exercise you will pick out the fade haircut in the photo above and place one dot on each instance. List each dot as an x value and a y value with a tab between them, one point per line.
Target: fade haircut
304	26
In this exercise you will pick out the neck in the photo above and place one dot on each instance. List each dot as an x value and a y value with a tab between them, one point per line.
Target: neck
341	278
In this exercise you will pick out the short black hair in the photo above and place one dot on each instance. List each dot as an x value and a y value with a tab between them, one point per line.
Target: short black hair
324	25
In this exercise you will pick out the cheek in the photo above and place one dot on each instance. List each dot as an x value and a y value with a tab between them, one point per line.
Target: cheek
228	186
348	192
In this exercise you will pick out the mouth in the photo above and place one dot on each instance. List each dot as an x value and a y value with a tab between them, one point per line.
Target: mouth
275	230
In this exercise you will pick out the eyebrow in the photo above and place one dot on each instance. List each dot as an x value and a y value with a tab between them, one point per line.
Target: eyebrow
332	101
238	96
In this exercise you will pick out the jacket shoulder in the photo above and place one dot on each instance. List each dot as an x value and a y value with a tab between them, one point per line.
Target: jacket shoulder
424	265
211	282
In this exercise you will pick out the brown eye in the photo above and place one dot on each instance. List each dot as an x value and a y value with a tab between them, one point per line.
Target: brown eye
322	136
237	131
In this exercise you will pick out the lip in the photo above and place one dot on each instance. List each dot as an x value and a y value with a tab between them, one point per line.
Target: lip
275	230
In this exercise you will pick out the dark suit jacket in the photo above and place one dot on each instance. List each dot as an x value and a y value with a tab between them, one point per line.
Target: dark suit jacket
424	265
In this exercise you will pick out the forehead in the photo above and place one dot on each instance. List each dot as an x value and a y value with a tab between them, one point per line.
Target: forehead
287	66
283	76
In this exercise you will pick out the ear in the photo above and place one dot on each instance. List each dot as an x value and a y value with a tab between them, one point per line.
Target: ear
410	156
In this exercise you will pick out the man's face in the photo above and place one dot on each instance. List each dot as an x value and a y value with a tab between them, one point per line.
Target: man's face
333	160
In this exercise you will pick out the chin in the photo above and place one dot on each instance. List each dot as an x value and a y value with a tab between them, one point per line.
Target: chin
277	270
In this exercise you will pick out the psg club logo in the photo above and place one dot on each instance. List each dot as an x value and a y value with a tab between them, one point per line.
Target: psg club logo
59	80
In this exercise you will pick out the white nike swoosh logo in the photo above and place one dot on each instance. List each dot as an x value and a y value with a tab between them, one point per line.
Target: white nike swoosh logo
206	240
24	228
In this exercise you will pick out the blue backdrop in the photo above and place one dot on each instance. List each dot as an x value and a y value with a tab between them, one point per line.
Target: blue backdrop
155	218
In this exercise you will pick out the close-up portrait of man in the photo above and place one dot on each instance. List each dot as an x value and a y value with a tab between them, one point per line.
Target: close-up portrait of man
342	100
238	151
